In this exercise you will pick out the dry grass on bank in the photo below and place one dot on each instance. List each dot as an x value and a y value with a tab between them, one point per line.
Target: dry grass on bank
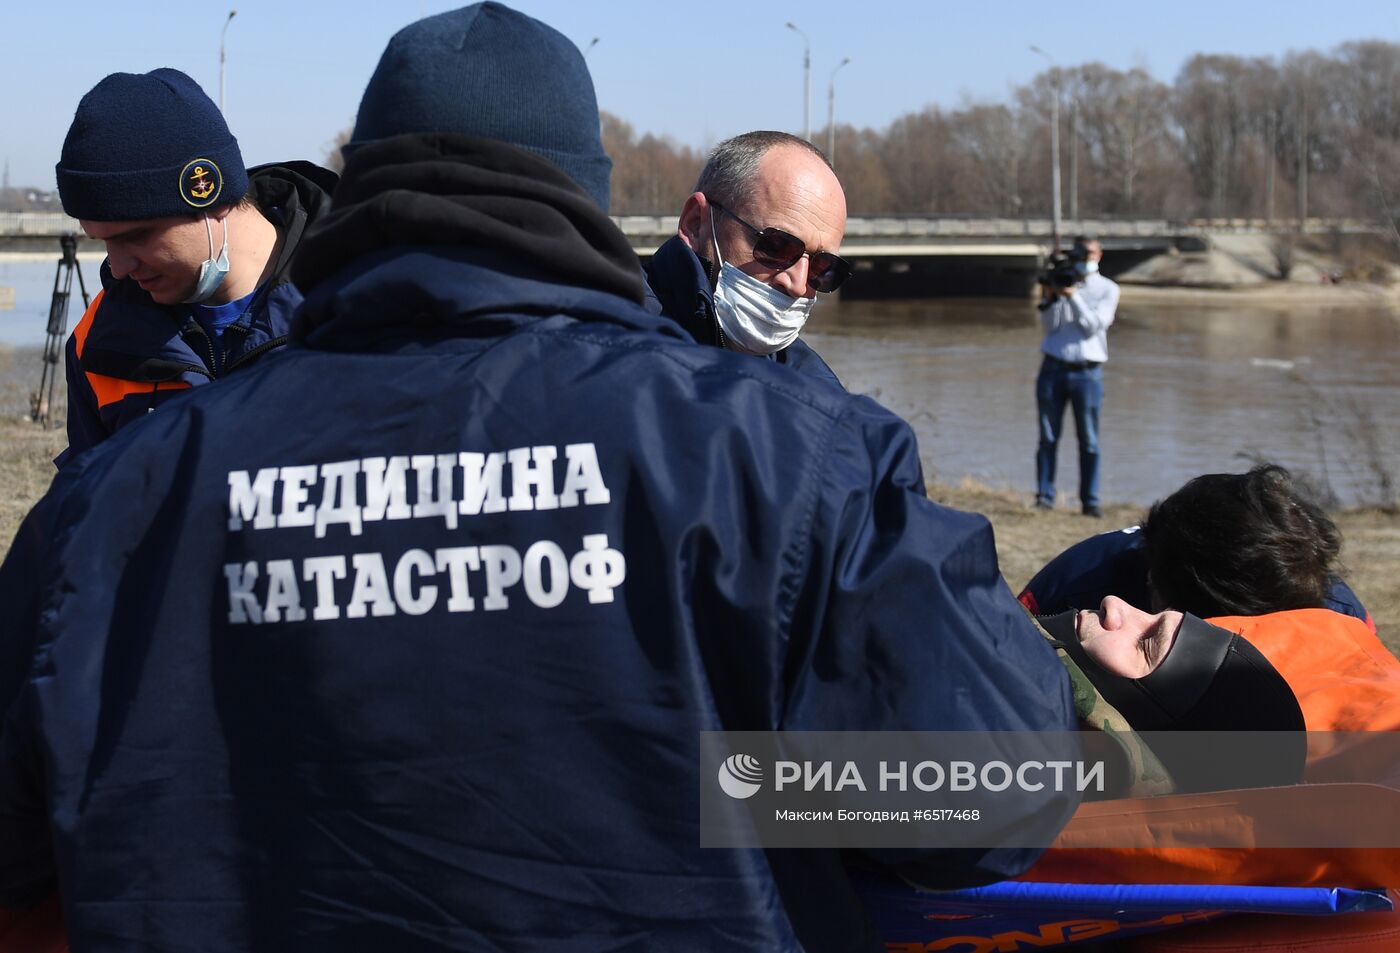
1026	538
26	468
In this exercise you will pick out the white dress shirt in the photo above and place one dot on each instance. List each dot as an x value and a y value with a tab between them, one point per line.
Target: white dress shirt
1075	324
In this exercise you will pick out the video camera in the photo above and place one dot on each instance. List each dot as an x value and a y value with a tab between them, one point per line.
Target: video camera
1063	270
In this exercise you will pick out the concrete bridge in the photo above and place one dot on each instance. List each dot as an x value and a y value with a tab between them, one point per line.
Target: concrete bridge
896	236
916	256
895	255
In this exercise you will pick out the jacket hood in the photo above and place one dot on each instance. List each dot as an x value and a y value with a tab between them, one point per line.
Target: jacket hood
424	292
301	192
473	198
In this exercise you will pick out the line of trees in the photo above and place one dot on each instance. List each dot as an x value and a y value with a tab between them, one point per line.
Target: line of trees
1307	135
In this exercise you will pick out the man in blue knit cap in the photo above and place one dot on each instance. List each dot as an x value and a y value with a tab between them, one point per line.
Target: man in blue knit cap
424	666
195	284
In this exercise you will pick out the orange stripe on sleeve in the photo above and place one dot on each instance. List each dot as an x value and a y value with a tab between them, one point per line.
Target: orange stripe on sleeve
109	390
80	333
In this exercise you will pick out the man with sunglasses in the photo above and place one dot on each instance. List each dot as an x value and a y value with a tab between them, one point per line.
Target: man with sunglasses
756	244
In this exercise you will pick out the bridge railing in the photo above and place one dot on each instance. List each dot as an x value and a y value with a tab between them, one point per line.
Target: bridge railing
45	224
37	224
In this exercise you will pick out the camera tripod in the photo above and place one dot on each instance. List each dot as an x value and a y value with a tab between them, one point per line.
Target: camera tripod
41	403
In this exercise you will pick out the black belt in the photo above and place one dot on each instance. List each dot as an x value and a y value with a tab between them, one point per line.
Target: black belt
1074	365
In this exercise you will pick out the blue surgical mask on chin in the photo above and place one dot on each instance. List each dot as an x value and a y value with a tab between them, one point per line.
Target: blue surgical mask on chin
212	271
1090	267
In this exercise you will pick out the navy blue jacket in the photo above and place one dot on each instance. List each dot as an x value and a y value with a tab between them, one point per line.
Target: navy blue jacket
676	280
128	355
424	666
1115	564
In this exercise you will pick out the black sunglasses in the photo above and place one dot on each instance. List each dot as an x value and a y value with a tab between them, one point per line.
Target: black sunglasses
781	250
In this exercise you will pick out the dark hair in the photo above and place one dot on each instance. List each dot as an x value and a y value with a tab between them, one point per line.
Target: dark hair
1079	251
732	167
248	202
1240	544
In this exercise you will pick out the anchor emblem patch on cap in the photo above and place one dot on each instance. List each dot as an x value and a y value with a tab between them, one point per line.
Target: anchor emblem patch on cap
200	183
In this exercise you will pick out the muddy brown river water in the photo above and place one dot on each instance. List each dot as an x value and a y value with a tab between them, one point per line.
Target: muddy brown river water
1190	389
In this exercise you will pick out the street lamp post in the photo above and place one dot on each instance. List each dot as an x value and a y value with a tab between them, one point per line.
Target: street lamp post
223	33
831	114
1054	151
806	82
1074	159
589	48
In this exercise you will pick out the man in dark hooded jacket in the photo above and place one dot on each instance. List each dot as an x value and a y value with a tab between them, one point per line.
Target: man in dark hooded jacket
425	667
196	283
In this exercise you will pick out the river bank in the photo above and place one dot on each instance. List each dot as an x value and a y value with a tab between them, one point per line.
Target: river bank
1265	271
1280	294
1026	538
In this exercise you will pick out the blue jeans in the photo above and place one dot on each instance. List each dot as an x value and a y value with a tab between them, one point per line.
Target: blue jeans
1055	386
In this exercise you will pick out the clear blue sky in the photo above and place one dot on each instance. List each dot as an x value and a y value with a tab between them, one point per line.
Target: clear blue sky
697	71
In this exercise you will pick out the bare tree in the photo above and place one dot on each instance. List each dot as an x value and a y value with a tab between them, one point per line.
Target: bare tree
1213	117
651	175
993	145
1368	104
862	169
1124	122
923	175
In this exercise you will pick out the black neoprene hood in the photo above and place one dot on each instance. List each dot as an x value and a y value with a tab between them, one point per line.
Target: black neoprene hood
1211	680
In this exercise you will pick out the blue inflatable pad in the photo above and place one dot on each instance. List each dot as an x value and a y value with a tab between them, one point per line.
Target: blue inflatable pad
1314	901
1013	916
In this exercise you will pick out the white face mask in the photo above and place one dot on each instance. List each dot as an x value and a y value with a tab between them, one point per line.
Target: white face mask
1090	267
212	271
755	317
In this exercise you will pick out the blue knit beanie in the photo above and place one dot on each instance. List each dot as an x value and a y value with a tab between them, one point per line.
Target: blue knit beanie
488	71
148	145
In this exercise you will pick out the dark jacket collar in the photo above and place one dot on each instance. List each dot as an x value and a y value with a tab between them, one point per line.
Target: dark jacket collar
677	277
453	198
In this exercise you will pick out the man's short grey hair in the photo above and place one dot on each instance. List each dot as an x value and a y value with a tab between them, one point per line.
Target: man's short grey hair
729	174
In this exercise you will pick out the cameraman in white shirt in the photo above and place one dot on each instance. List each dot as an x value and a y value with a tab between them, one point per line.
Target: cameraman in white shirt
1075	316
